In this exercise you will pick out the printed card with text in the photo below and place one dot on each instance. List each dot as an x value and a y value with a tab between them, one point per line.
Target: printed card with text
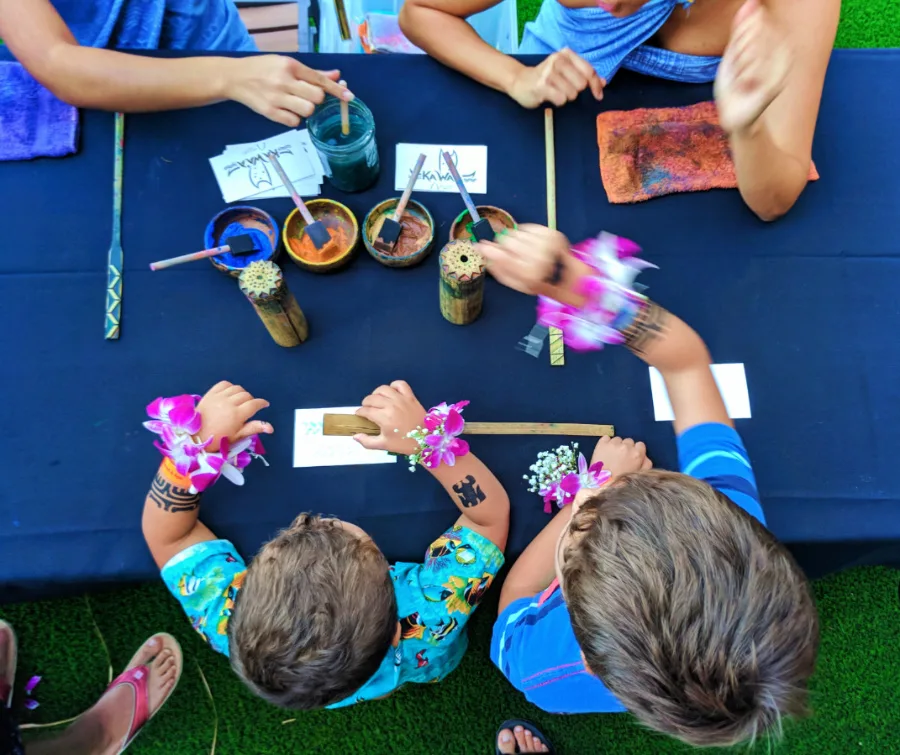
732	382
313	449
470	161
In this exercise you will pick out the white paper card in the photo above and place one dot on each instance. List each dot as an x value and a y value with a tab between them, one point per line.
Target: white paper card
470	161
730	378
243	171
312	449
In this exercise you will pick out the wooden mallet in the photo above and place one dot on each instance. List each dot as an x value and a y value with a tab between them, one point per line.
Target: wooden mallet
481	227
315	229
240	246
391	228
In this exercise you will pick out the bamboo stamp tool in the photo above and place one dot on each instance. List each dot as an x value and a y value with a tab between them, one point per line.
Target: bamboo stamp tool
240	246
557	347
115	262
390	229
481	227
462	282
315	229
350	424
263	284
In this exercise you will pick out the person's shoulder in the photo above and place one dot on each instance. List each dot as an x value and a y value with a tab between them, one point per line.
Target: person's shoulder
208	553
715	453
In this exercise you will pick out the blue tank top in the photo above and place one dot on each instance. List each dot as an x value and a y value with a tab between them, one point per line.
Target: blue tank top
609	43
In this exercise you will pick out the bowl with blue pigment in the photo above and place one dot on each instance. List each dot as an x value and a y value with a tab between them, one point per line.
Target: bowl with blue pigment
237	220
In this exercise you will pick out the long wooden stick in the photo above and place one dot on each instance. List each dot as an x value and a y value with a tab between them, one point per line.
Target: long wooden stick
350	424
345	113
557	347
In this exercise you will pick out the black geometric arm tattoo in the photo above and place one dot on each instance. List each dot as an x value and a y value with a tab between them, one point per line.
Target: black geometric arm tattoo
172	498
648	325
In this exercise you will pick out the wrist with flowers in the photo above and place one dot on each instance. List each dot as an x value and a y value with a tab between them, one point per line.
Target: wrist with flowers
438	437
604	300
189	463
558	475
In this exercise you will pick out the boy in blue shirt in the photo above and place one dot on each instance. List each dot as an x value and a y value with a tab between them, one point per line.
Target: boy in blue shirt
661	593
319	618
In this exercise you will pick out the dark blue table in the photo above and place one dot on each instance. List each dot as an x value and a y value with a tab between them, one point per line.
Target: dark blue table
809	305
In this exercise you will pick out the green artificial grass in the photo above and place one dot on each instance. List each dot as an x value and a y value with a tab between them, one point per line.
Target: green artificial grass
855	696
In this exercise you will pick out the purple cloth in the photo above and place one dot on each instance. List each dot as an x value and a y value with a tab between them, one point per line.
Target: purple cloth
33	122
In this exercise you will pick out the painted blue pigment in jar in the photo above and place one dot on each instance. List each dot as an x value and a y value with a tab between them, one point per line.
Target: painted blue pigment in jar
351	159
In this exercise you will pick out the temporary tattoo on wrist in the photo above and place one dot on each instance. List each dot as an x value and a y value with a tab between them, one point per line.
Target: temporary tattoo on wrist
469	492
169	497
647	326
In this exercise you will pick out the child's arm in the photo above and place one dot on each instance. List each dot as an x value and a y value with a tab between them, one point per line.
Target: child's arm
276	86
525	260
170	521
475	490
535	569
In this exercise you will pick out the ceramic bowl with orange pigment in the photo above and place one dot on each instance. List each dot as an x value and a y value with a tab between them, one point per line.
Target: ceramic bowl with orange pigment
416	233
342	227
500	221
239	220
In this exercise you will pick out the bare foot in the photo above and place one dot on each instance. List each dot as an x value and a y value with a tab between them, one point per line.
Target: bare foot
109	721
521	737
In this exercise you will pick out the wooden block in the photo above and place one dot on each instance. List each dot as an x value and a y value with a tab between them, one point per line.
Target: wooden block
350	424
263	285
462	282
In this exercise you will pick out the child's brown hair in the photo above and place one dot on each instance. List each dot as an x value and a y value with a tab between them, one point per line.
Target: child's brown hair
688	609
315	617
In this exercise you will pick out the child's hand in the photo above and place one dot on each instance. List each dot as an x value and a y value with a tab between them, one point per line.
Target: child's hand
621	456
396	411
526	259
226	410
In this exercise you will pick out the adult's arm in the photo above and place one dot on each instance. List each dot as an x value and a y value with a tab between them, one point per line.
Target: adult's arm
278	87
772	157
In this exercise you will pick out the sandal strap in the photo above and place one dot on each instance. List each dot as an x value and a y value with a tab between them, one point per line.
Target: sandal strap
137	679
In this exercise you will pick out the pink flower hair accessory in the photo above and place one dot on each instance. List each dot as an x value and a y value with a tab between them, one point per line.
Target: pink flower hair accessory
177	422
438	437
559	475
611	299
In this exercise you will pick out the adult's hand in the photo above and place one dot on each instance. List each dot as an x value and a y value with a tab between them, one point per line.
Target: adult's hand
558	79
281	88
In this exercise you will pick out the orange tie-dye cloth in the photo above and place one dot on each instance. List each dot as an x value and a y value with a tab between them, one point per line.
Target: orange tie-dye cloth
651	152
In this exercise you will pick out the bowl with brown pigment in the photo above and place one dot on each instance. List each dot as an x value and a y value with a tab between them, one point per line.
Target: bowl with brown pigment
342	226
238	220
416	233
500	221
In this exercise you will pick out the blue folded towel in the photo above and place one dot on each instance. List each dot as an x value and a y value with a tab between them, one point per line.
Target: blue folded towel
33	121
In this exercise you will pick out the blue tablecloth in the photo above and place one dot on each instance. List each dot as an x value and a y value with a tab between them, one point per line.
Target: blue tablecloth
809	305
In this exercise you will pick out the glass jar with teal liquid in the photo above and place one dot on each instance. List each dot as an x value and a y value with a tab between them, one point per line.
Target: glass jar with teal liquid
352	159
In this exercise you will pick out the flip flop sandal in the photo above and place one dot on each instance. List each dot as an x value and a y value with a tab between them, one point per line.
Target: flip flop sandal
512	724
137	679
8	675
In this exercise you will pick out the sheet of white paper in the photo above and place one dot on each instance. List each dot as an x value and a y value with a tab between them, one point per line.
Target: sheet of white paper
732	382
307	187
312	449
470	161
243	171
